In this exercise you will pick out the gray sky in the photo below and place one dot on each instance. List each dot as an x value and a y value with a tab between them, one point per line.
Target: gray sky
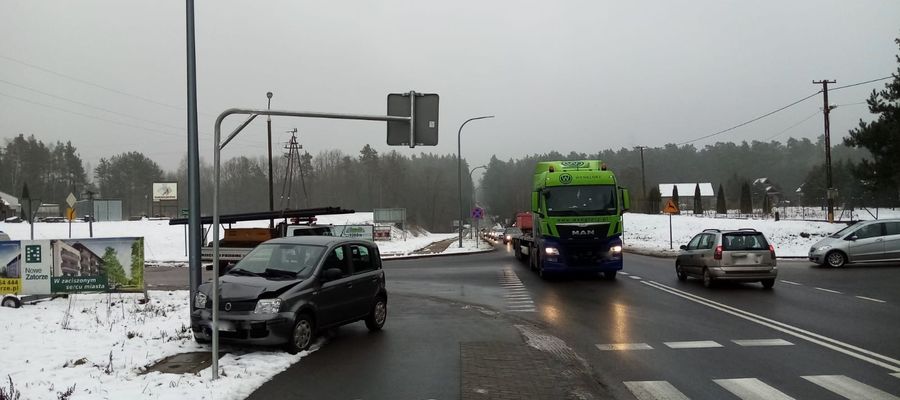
567	75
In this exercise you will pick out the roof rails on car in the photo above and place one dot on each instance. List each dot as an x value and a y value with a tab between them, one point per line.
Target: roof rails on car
747	229
712	230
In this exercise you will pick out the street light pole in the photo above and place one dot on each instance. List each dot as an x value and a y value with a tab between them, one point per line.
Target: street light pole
459	171
269	130
475	232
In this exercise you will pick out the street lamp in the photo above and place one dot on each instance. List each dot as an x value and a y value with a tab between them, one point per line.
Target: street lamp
475	232
459	171
269	130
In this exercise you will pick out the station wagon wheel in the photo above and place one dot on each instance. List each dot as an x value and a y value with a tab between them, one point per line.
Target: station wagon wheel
378	315
835	259
707	278
301	335
768	283
680	272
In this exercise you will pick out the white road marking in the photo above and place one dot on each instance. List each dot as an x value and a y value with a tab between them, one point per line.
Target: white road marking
512	302
624	346
897	375
869	356
654	390
695	344
637	278
850	388
626	274
870	299
792	283
762	342
528	310
751	389
828	290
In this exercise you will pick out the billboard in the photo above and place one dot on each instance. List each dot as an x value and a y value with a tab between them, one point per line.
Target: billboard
31	267
355	231
164	191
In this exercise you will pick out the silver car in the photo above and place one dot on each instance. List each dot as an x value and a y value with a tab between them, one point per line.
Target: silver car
866	241
742	255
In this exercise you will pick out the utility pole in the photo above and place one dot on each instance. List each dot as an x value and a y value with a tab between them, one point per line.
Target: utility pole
829	191
293	147
644	181
93	215
269	130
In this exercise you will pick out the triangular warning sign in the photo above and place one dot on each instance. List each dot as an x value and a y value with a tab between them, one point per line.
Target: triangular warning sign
671	207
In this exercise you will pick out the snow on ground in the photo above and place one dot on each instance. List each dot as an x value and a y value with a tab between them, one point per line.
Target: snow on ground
100	343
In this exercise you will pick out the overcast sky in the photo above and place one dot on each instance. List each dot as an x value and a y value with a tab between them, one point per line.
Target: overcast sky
566	75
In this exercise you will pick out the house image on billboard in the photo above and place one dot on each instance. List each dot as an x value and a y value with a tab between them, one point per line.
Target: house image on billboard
12	268
74	259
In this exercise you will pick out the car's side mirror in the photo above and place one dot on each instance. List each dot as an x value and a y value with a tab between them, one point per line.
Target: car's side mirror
852	237
683	247
225	268
331	274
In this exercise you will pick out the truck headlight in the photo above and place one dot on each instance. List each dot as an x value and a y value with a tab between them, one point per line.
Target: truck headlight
551	251
615	249
267	306
200	300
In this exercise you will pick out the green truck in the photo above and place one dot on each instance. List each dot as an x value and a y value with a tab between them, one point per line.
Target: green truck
575	222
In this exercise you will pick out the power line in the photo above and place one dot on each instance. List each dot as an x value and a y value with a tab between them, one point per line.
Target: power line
752	120
781	109
861	83
82	81
793	126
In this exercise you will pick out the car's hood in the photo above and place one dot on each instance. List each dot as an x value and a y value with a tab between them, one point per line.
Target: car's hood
233	287
829	241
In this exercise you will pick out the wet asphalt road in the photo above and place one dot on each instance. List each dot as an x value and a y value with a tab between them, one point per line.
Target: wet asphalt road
819	334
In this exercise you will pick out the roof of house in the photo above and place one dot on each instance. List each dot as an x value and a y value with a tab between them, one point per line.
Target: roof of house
8	199
686	189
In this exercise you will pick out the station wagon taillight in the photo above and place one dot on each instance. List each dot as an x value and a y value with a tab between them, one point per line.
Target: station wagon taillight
772	251
718	254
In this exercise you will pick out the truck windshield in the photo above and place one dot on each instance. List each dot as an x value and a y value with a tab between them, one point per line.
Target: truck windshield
581	200
280	260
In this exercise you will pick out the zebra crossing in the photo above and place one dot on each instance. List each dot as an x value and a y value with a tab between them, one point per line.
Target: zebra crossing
694	344
756	389
516	297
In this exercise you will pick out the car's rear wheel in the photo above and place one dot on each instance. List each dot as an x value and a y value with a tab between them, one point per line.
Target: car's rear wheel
609	275
378	315
707	278
302	334
768	283
680	272
835	259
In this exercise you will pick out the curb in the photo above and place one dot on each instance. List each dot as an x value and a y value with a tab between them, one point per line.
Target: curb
415	256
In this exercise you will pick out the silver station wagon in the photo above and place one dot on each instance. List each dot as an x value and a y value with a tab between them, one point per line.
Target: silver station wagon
734	255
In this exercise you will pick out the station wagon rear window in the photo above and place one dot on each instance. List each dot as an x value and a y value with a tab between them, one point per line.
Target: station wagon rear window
744	241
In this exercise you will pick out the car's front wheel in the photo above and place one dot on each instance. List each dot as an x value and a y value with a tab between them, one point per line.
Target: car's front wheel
378	315
302	334
835	259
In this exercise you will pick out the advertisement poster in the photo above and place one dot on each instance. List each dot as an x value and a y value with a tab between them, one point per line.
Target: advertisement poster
355	231
72	266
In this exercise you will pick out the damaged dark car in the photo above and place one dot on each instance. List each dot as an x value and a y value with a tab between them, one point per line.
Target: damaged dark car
287	290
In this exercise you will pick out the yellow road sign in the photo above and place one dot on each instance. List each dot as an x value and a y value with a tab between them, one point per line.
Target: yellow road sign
671	207
70	213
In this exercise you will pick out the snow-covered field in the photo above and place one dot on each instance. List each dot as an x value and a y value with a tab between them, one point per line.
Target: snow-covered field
99	344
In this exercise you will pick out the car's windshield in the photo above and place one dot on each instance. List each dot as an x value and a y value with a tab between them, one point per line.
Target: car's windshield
513	231
842	232
282	260
581	200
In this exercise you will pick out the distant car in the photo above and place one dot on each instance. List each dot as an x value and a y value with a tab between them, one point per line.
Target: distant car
866	241
287	290
743	255
510	233
13	220
496	233
4	236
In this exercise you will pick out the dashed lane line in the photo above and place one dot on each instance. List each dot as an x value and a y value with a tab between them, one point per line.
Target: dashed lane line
762	342
850	388
870	299
792	283
637	278
694	344
654	390
751	389
624	346
828	290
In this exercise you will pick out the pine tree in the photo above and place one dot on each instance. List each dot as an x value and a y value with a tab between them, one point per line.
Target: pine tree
675	198
654	201
881	173
746	200
698	203
721	208
137	263
115	274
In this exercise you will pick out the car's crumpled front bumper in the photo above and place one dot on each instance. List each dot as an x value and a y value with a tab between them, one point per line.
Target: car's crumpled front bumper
244	327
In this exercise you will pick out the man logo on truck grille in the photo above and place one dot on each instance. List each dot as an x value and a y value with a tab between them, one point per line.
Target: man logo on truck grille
565	179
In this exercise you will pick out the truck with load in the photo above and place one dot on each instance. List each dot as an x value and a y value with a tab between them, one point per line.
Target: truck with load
575	223
238	242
